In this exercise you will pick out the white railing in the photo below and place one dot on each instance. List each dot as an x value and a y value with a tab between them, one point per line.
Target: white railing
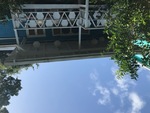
59	16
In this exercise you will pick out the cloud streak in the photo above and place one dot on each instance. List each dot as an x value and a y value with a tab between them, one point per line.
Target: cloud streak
94	75
103	92
123	86
105	95
122	89
136	101
123	83
115	91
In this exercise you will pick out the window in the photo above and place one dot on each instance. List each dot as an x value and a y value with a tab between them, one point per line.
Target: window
68	31
36	32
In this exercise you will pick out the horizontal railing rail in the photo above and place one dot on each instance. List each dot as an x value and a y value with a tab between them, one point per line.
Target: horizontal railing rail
45	16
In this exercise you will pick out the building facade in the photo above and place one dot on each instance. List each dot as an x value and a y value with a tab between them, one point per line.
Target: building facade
52	32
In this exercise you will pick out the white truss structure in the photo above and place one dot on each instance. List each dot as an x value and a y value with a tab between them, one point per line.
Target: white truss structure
59	16
52	16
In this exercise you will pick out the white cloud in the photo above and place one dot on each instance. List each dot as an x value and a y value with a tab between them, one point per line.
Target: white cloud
102	92
136	101
120	88
94	75
114	69
105	93
122	84
122	96
115	91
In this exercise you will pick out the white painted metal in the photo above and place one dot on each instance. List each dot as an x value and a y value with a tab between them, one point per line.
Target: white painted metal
56	13
103	22
7	38
51	6
80	36
96	15
78	22
22	17
86	13
53	16
32	23
17	24
64	23
72	16
16	35
40	16
15	31
49	23
7	47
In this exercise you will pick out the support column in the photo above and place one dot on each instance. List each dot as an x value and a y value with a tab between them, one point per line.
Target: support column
79	40
86	13
16	35
15	30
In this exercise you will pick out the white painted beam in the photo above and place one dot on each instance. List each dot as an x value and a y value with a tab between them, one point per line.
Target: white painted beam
7	38
50	6
80	36
15	30
7	47
86	13
16	35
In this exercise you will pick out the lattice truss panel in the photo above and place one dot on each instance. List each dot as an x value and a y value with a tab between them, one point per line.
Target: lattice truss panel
59	18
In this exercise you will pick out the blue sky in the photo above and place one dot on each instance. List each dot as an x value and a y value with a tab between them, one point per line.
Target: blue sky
81	86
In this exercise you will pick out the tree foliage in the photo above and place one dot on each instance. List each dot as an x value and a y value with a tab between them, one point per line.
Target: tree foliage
127	22
9	85
10	5
127	28
3	110
7	6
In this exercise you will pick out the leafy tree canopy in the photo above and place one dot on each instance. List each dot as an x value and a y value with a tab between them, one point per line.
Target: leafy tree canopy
128	21
7	5
3	110
9	85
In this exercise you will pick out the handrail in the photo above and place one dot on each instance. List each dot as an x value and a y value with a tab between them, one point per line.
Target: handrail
50	6
53	6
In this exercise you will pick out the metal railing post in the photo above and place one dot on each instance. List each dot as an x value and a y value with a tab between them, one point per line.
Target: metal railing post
86	13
